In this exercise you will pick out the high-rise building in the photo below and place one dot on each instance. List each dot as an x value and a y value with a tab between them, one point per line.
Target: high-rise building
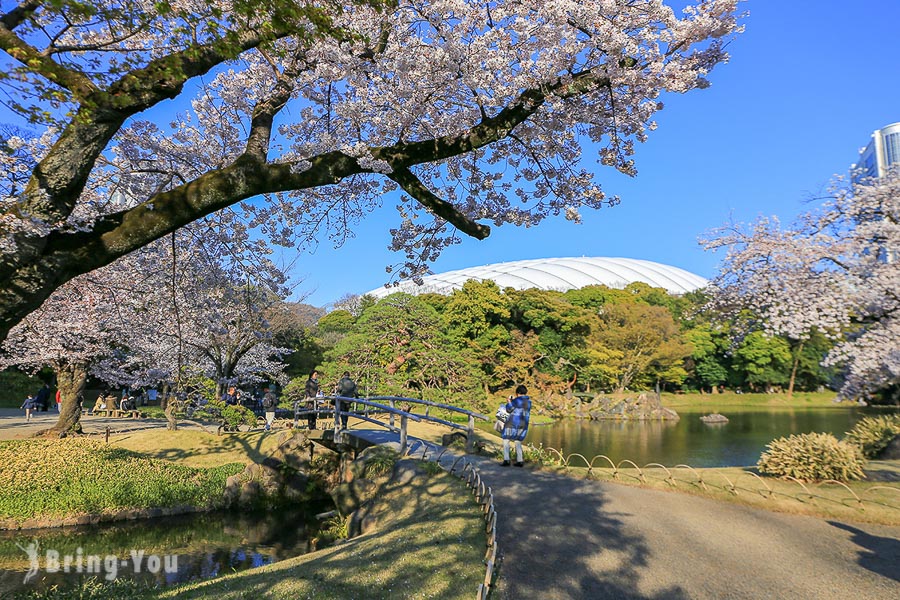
882	151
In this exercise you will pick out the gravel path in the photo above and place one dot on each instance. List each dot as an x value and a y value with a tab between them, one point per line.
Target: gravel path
13	425
567	538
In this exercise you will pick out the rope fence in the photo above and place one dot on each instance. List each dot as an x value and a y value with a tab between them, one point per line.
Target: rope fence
463	468
745	482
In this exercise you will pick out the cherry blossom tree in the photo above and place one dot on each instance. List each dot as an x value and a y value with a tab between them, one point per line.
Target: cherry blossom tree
149	317
76	332
302	115
834	272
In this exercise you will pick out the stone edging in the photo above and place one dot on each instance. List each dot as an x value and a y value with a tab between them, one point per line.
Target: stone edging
126	514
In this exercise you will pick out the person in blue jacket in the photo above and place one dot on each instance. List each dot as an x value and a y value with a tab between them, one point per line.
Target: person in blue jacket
519	409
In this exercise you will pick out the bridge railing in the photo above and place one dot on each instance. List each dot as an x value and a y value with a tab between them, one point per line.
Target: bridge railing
378	404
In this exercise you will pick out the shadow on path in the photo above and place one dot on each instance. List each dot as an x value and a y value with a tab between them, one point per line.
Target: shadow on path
879	554
571	545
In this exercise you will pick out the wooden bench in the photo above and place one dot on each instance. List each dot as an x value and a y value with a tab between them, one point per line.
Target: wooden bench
111	412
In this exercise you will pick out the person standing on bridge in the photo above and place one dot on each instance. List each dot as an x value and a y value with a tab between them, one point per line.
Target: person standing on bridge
519	409
312	393
346	388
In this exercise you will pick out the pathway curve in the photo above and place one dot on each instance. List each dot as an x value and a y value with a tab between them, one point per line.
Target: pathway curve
566	538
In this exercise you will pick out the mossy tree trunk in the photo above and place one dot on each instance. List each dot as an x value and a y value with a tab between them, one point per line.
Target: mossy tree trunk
171	421
71	380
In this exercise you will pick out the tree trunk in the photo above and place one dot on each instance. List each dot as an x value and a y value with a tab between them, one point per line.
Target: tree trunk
790	392
71	380
171	422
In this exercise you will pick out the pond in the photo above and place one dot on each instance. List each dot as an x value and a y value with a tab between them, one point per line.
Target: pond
737	443
169	550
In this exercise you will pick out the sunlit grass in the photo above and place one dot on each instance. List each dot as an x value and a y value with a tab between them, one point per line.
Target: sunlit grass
44	478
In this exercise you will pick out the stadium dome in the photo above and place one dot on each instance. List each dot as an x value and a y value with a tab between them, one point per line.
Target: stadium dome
560	274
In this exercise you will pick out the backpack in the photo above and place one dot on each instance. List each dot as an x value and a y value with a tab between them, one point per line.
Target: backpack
347	388
269	400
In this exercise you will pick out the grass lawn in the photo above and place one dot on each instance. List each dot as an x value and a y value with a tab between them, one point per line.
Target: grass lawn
713	402
429	539
55	479
195	448
429	543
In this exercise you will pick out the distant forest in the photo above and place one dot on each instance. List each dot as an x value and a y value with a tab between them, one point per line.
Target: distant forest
482	340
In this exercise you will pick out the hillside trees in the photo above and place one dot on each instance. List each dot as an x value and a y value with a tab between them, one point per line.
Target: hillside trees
481	340
643	341
833	274
400	347
477	111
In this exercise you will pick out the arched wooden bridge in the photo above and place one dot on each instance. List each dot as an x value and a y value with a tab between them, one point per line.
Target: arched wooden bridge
393	429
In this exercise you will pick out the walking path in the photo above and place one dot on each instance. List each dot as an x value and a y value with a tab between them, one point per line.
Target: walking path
13	425
567	538
563	538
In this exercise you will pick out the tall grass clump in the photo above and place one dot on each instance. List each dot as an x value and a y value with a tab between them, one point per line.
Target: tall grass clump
873	434
812	457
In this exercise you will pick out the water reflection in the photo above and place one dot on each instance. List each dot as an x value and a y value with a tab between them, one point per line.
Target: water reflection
203	546
690	441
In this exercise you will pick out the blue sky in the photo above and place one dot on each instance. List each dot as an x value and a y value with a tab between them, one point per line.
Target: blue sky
807	84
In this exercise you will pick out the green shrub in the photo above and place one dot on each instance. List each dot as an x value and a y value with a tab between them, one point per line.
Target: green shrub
335	528
537	455
233	415
431	468
872	434
812	457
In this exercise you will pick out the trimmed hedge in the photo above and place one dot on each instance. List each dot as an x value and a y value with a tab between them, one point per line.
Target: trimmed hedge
812	457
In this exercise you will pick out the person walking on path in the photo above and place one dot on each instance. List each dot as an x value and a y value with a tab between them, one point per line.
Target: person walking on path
346	388
269	403
312	393
58	400
29	405
519	410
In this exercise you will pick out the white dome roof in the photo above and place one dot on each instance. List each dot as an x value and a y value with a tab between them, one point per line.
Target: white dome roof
560	274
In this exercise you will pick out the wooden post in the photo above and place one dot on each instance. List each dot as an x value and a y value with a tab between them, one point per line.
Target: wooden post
393	405
470	435
403	420
337	420
107	434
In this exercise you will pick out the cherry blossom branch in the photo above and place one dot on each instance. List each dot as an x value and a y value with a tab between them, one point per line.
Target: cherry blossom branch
437	206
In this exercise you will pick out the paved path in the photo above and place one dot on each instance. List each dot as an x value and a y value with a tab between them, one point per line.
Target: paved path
567	538
13	425
563	538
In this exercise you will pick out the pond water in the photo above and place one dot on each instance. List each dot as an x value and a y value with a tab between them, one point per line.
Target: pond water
690	441
187	548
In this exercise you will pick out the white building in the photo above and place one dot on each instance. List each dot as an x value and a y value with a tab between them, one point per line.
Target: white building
882	151
560	274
